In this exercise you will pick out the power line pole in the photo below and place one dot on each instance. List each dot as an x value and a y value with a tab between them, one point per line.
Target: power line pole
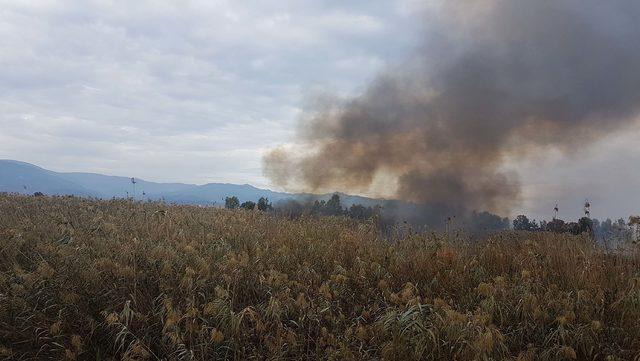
133	182
587	208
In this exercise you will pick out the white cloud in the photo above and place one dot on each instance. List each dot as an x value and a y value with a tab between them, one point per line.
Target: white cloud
191	91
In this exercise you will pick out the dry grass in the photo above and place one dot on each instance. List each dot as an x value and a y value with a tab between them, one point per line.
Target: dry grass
84	279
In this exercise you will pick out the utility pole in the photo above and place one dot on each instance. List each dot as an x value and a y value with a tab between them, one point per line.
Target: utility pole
587	207
133	182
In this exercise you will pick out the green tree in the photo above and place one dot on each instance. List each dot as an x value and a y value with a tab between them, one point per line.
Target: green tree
585	225
556	225
249	205
318	207
231	202
333	206
522	223
264	205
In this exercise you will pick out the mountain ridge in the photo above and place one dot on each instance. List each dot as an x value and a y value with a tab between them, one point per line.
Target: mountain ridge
26	178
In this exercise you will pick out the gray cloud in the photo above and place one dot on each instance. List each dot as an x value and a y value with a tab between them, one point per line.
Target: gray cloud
495	79
202	86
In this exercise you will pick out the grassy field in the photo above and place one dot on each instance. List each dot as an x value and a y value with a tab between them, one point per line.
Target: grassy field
85	279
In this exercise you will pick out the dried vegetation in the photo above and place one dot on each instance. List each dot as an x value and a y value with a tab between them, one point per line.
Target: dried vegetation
87	279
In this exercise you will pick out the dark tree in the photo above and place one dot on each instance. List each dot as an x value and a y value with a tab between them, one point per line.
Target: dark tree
573	228
264	205
556	225
231	202
585	225
522	223
358	211
249	205
485	221
318	207
292	208
333	207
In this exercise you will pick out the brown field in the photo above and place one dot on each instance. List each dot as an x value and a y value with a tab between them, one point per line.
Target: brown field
86	279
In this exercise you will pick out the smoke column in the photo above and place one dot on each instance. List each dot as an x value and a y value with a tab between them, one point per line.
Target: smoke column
495	79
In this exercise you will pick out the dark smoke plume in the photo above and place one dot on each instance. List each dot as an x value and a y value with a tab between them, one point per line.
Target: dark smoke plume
496	79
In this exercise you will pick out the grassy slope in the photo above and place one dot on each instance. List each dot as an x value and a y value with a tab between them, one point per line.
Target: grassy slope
83	279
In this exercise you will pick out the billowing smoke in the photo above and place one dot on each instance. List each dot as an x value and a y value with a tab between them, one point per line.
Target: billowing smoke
495	80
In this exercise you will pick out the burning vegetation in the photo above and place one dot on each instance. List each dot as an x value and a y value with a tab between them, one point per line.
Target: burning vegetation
496	80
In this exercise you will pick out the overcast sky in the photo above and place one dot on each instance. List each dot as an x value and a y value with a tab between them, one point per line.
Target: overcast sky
198	91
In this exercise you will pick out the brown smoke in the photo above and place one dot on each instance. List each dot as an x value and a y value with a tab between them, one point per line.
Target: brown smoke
496	79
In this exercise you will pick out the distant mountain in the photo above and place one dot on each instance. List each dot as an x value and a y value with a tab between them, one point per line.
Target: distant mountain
217	192
105	186
25	178
20	177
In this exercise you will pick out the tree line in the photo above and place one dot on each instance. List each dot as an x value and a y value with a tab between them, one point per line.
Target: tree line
600	230
263	204
473	222
294	208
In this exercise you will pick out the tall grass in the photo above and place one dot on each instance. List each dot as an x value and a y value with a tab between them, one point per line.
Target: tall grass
88	279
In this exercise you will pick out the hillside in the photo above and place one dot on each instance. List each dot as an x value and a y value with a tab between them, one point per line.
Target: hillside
86	279
20	177
25	178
